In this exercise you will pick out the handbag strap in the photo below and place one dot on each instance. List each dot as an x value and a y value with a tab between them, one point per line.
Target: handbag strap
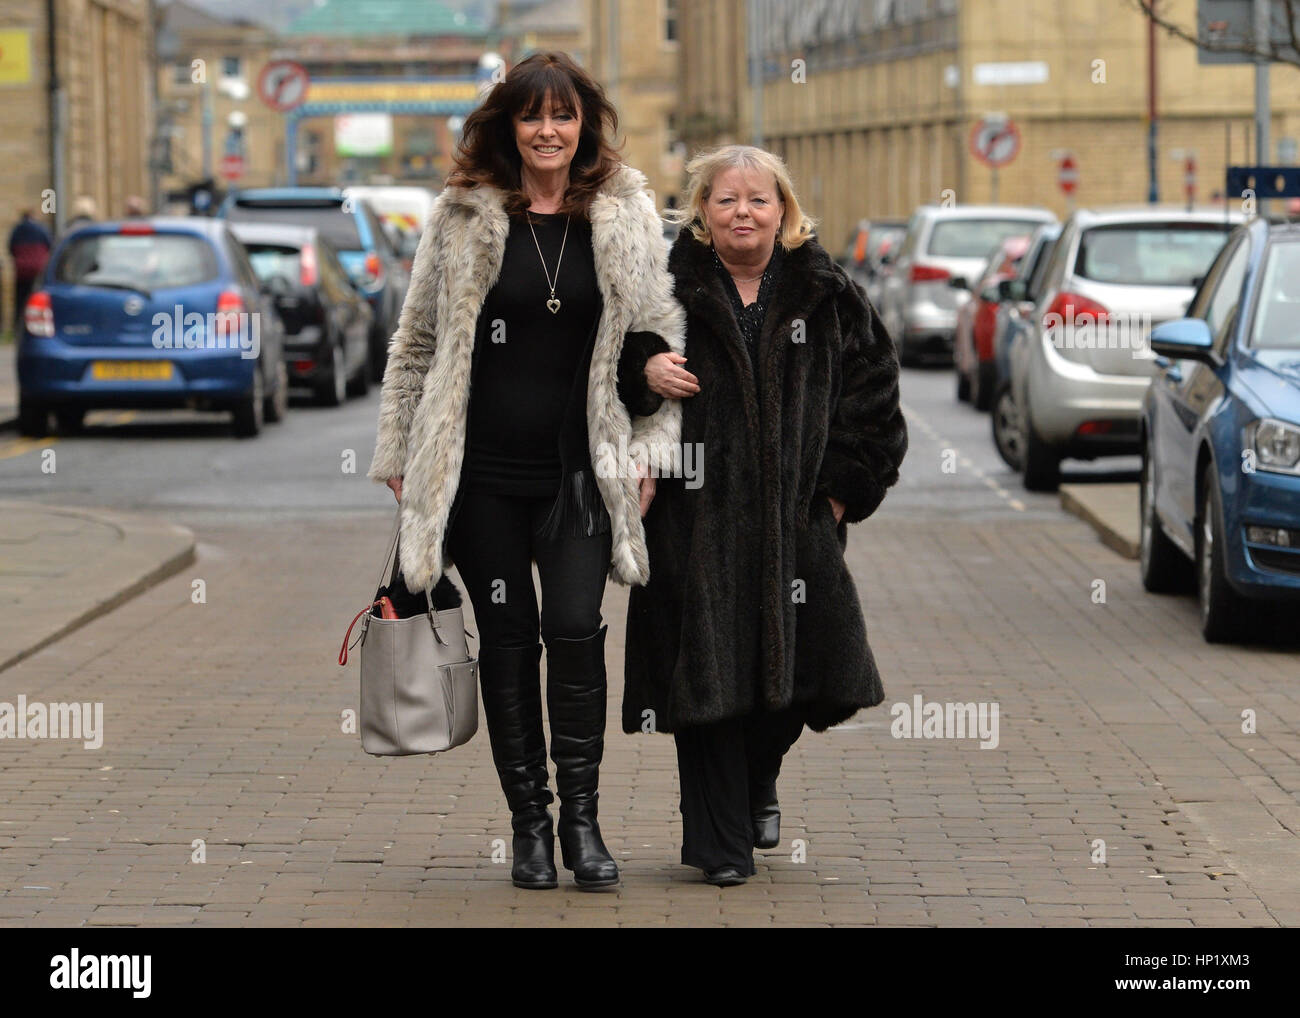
390	565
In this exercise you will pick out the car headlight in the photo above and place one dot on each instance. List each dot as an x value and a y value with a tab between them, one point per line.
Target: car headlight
1276	444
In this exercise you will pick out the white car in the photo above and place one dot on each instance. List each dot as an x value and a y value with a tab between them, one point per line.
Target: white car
1080	371
930	278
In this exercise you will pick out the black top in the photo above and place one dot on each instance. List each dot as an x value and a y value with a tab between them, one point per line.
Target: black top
526	370
749	317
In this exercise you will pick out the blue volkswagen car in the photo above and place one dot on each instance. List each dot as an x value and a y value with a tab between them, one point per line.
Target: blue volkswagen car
150	313
1220	426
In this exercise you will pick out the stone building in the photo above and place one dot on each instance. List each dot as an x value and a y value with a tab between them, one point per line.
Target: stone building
90	137
874	105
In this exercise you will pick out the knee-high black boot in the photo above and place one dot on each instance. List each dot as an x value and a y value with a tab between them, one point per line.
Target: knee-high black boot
575	697
512	701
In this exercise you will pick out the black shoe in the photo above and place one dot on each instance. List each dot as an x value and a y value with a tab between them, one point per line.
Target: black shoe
512	703
766	816
725	876
575	697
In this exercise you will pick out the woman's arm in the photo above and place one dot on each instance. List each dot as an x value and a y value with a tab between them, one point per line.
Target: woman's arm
633	386
868	436
410	352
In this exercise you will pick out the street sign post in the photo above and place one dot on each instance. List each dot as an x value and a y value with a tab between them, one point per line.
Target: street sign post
995	141
283	84
231	167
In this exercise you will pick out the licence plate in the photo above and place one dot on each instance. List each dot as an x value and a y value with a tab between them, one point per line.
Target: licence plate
131	371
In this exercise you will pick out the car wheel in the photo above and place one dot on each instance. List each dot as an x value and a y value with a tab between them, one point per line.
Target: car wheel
1007	433
33	418
1223	616
250	412
963	386
277	405
69	419
1042	463
983	380
333	390
1164	569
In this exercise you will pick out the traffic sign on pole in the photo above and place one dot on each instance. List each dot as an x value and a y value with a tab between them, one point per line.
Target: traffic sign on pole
995	141
283	85
1067	175
231	167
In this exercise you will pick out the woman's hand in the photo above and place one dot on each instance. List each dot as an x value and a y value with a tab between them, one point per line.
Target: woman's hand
647	487
837	507
396	484
665	377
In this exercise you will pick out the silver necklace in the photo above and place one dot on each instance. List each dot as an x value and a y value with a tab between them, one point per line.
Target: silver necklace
552	305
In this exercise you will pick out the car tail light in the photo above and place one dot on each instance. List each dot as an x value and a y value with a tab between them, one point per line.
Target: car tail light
229	306
374	276
38	316
135	230
1073	308
307	260
303	366
1095	428
928	273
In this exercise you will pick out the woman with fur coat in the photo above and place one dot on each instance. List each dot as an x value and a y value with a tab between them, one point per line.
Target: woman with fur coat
539	284
750	626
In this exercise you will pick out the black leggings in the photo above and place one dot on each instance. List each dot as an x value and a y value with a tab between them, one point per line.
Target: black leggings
493	542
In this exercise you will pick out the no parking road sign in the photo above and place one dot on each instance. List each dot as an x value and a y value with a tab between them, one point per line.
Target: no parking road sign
283	85
995	141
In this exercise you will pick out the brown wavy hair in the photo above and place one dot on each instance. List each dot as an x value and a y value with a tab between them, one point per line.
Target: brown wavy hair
487	153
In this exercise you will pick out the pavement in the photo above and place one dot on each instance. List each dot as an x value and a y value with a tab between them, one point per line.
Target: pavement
1110	509
8	386
62	567
1124	789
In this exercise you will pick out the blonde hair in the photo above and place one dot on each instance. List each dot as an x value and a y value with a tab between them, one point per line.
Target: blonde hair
796	227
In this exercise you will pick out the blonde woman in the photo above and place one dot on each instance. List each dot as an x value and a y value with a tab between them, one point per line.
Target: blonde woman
750	626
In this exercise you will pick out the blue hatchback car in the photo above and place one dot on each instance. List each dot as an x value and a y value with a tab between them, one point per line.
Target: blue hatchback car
1221	435
150	313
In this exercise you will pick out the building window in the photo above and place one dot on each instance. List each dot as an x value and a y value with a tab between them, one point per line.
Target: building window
181	74
230	67
670	20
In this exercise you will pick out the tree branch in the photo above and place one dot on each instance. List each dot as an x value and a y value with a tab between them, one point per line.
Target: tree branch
1270	51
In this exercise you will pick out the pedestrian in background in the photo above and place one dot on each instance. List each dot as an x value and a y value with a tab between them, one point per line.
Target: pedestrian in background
136	207
750	626
29	247
84	212
541	277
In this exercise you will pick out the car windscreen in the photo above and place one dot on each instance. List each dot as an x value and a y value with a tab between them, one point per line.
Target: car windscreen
338	226
1149	254
152	261
270	260
973	238
1277	312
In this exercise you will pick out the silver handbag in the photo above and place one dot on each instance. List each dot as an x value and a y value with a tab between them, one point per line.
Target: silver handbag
419	685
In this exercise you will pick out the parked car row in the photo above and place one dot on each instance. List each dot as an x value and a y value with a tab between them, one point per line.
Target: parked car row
1147	330
286	287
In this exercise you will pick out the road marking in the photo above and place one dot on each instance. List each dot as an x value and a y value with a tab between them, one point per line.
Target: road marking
22	446
915	418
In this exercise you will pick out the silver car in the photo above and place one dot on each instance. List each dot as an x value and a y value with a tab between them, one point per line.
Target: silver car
1080	371
930	279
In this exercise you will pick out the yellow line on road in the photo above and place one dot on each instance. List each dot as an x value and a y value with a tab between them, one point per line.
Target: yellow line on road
21	446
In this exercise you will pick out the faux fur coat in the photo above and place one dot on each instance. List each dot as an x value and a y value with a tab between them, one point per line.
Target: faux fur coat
751	606
424	406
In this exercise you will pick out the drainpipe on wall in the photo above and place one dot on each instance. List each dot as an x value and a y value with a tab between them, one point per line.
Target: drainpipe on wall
56	116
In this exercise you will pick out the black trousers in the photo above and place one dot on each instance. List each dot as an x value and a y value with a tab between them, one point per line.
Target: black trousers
493	541
721	767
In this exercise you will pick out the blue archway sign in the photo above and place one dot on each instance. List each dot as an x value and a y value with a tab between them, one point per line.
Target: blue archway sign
436	97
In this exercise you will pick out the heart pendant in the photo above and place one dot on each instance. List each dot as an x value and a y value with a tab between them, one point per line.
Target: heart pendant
552	305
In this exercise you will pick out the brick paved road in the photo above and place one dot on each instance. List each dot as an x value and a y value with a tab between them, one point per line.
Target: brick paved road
1116	723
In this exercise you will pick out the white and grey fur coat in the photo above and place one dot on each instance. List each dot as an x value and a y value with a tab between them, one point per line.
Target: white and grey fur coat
424	407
